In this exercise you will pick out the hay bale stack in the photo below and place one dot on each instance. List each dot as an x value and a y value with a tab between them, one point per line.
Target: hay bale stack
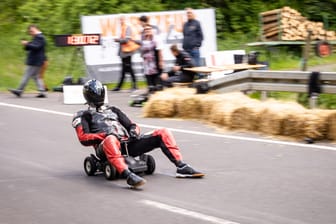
247	116
294	125
316	123
274	115
331	135
160	105
238	111
163	103
208	102
223	106
221	114
189	106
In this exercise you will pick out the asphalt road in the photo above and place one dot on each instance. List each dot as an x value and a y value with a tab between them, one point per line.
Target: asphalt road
249	179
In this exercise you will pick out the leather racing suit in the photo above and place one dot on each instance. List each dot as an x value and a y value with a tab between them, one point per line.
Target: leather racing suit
110	128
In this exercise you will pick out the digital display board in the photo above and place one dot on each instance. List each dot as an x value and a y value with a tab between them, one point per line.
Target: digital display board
77	40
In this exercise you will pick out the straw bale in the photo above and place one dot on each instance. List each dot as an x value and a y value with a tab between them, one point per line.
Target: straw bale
178	91
247	115
316	123
218	108
221	114
189	106
332	126
274	115
160	105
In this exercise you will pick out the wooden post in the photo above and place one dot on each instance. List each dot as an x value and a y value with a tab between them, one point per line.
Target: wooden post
306	49
313	101
263	95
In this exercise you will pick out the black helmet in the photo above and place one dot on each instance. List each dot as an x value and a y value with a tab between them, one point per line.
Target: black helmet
94	93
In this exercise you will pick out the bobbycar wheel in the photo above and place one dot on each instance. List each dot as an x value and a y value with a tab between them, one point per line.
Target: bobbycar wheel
150	165
90	166
110	172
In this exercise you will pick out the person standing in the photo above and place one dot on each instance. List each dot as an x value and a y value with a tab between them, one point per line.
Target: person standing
127	48
152	59
192	36
144	21
35	59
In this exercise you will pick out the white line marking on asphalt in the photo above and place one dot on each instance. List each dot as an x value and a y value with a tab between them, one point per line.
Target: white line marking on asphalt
313	146
182	211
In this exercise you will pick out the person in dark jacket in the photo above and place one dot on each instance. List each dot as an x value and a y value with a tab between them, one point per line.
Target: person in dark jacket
192	36
35	59
178	72
108	128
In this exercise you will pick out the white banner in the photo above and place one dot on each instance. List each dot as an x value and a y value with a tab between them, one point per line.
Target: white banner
103	61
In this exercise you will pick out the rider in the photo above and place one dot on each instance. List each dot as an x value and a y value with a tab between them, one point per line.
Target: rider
108	128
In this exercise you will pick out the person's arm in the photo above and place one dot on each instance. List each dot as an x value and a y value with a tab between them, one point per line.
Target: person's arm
36	44
81	125
125	121
127	36
186	61
199	34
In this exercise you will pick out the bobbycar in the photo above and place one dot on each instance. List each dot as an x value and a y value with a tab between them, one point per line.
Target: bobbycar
117	141
98	163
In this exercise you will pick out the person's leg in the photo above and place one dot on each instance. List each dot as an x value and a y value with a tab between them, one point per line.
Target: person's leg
111	146
164	139
42	72
122	75
150	83
159	138
169	81
157	81
39	83
128	64
195	55
30	71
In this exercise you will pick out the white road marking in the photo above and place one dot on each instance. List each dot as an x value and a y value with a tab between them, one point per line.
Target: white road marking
313	146
185	212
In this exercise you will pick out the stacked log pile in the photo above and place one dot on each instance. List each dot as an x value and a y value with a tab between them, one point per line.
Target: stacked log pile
288	24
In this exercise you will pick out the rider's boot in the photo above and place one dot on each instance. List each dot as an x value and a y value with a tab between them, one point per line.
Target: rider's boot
132	179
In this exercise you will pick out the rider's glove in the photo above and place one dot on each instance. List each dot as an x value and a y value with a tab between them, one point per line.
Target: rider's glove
133	133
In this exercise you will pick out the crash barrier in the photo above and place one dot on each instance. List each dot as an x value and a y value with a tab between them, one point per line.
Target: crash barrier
265	81
237	111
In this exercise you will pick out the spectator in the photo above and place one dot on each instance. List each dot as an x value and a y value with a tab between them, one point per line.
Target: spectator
152	58
127	48
192	36
35	58
178	74
144	20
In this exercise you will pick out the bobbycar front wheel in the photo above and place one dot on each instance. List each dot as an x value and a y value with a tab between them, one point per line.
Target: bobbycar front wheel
110	172
90	166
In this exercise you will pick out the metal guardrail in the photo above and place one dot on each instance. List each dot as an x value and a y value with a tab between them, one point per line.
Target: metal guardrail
264	80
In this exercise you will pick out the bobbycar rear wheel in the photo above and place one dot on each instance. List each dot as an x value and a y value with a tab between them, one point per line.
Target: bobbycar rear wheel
150	164
110	172
90	166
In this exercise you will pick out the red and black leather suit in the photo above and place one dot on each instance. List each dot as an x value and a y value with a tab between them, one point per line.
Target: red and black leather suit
109	127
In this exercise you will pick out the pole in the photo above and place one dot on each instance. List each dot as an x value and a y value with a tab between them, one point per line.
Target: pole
306	49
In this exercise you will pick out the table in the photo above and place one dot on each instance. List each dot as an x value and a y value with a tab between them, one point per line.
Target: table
209	69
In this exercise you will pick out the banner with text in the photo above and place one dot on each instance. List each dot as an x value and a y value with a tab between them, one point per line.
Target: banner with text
103	62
